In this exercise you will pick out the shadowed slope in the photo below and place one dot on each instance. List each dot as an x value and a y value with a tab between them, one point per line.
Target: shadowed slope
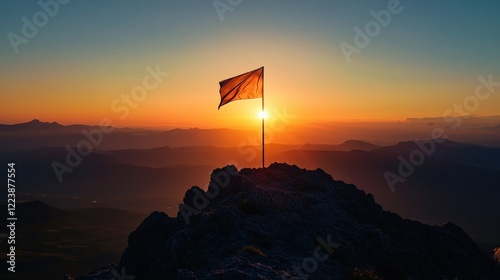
282	222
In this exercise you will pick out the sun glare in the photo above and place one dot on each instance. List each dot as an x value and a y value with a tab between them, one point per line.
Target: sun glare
262	114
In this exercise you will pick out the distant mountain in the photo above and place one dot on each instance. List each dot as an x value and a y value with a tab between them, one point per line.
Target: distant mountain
349	145
100	180
33	124
358	145
458	182
474	155
283	222
36	126
406	147
471	119
217	156
36	134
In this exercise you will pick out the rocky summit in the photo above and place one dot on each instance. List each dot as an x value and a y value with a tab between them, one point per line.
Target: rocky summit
283	222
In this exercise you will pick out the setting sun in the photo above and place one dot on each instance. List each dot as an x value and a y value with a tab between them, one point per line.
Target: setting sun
262	114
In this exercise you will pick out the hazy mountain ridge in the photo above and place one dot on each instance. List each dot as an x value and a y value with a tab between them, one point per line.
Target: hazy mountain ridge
101	180
266	221
37	134
37	126
470	154
449	186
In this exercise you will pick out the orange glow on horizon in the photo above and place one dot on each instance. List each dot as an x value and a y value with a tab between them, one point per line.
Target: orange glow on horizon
329	93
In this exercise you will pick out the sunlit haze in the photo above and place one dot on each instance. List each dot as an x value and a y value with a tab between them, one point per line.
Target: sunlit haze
82	64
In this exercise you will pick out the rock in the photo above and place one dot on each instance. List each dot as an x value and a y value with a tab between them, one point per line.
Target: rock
283	222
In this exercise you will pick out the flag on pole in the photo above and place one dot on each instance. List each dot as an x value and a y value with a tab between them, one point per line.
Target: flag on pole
245	86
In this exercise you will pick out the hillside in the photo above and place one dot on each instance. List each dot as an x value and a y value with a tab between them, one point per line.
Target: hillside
283	222
51	242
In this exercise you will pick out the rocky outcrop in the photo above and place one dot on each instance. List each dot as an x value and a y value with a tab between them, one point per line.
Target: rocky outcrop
283	222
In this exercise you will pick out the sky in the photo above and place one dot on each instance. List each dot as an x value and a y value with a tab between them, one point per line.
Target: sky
159	63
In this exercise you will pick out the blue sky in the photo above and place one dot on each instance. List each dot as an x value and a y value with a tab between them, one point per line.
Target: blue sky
444	44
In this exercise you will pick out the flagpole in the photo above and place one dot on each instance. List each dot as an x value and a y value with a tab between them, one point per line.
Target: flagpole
263	117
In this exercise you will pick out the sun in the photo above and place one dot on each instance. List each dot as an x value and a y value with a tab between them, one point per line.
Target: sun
262	114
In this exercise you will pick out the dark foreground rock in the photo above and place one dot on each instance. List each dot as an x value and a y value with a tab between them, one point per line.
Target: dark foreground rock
283	222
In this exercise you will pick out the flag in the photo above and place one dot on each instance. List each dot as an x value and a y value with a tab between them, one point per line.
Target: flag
245	86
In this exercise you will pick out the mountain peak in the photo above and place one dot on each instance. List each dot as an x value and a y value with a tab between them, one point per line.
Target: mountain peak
281	222
352	141
34	125
38	122
358	145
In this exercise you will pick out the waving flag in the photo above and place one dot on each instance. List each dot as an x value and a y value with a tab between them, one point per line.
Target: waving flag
245	86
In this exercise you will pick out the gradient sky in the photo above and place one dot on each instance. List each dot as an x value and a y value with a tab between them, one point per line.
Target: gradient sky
92	52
